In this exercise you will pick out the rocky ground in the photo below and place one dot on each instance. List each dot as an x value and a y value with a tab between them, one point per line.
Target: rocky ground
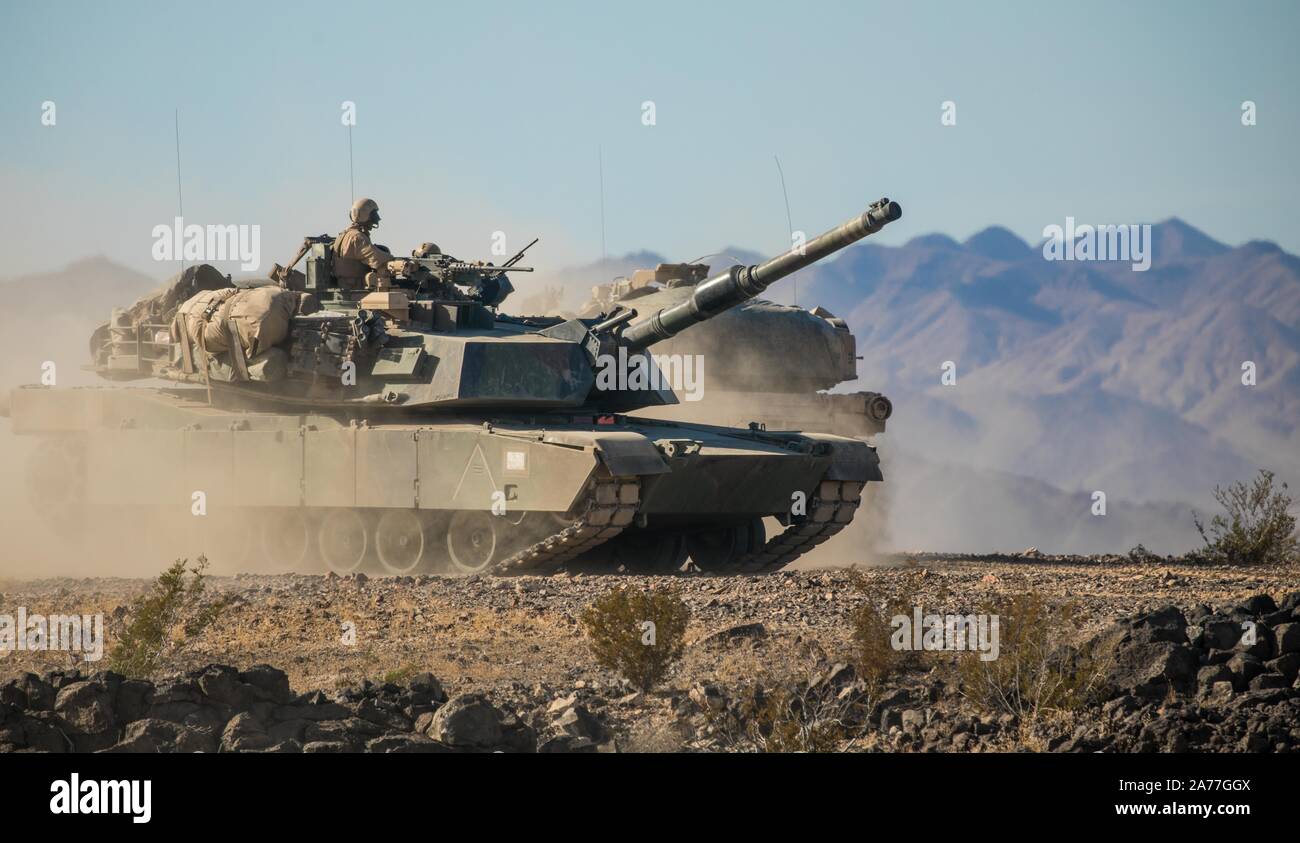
493	663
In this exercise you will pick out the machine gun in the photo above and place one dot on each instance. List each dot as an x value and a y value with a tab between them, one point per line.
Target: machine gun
488	282
519	254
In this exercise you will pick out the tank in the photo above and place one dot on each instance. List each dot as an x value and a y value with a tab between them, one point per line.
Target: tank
751	373
417	428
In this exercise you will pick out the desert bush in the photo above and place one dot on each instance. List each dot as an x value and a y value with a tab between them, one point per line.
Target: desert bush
1139	555
767	715
874	657
649	736
1038	670
1256	526
175	609
400	675
637	633
797	719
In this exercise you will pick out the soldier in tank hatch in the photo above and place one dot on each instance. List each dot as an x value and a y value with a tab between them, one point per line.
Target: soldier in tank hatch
357	261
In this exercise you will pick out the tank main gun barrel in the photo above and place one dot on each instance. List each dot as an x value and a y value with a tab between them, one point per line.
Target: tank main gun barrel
739	284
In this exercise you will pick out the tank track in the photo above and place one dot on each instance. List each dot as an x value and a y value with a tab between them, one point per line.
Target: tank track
832	509
611	507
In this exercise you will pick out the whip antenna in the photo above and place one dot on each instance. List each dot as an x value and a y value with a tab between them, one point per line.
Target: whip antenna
180	199
600	166
789	224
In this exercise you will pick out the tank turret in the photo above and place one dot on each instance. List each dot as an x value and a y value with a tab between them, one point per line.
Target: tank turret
775	364
769	363
425	346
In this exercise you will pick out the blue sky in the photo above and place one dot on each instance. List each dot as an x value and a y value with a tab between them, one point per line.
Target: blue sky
473	118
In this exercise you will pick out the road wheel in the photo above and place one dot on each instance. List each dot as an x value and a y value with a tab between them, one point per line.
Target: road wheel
713	550
224	538
719	548
286	539
343	539
472	541
651	553
400	539
55	475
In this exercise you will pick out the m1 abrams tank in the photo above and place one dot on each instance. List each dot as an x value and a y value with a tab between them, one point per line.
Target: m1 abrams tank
767	362
419	429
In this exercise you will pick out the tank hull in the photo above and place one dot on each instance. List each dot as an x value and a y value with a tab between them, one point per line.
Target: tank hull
338	480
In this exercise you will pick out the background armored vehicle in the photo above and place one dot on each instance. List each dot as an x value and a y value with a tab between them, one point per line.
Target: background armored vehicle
417	427
766	362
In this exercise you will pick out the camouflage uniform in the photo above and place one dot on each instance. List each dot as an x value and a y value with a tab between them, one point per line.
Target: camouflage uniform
357	261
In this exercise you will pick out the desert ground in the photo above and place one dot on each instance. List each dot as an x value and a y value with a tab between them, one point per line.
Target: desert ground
518	643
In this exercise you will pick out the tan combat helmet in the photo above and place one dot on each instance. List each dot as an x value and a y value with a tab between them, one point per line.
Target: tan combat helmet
365	212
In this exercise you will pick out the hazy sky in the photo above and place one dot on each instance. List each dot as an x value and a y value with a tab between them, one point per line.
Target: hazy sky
477	117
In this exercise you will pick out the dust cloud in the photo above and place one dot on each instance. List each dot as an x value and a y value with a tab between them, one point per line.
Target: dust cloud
925	503
43	532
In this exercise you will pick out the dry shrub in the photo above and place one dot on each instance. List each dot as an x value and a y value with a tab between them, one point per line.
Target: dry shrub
651	736
874	657
399	675
1139	555
173	611
797	719
804	716
1037	670
1256	528
637	633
